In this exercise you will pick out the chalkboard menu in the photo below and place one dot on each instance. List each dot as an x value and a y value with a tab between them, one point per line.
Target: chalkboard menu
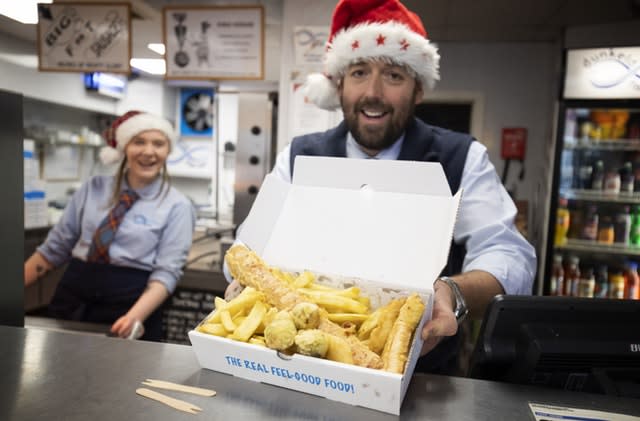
184	310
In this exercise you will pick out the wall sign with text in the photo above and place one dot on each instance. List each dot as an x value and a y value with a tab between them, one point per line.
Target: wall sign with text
603	73
84	37
214	42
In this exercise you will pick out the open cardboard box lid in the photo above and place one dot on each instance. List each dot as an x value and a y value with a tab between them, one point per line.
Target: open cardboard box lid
377	220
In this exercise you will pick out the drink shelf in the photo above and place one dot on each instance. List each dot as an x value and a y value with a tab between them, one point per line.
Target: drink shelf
595	247
603	144
600	196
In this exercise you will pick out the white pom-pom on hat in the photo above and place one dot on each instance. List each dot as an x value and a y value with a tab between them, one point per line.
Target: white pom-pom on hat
321	90
110	155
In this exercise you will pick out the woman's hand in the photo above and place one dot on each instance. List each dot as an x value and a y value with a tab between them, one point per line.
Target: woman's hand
149	301
35	267
124	326
443	321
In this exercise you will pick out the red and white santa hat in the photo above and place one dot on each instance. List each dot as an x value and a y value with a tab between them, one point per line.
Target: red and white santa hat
362	29
124	128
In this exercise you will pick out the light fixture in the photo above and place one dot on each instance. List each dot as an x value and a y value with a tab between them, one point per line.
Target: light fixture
24	60
24	11
156	48
154	66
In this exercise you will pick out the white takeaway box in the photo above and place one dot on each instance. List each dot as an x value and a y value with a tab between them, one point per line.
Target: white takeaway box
385	226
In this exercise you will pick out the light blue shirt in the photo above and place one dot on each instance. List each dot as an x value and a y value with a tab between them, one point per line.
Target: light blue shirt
155	234
486	217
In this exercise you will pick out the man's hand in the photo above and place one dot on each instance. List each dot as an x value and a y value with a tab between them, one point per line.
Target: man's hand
233	290
443	321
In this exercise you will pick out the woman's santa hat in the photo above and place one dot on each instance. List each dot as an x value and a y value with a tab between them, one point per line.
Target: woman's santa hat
126	127
370	29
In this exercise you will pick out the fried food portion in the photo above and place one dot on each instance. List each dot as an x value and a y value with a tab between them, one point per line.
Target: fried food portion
250	270
280	334
360	353
396	350
306	315
339	350
388	315
312	342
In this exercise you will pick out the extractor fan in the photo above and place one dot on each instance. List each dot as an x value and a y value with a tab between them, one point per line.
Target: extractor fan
196	112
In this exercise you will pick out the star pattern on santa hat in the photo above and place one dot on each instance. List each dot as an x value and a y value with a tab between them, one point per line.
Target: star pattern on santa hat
355	45
380	39
404	45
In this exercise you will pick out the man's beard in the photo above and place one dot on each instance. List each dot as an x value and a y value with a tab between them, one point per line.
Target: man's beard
377	139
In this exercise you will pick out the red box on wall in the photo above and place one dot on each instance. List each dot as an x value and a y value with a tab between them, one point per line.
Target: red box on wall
514	143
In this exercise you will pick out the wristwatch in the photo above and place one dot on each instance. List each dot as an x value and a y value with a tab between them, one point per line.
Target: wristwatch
460	310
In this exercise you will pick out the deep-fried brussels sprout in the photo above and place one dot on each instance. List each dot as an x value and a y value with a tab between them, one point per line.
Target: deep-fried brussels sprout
283	315
280	334
312	342
306	315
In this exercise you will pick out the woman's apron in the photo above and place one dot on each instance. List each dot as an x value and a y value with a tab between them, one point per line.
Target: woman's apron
102	293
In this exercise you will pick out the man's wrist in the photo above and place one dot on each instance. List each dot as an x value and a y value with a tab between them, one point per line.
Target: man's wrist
460	309
446	289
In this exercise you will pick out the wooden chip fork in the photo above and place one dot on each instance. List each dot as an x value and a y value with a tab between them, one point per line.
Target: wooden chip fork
160	384
172	402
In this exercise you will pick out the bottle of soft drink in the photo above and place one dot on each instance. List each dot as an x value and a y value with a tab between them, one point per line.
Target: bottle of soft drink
584	176
622	226
632	282
590	224
616	284
576	219
626	178
571	276
597	176
587	283
556	284
634	235
602	282
562	222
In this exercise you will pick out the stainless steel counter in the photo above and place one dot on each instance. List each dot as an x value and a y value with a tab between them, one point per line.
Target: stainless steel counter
63	376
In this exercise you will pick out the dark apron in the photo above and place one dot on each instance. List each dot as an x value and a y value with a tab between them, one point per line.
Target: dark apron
102	293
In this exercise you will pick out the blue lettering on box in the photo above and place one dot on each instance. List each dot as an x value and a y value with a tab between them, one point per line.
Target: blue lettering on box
338	385
252	365
233	361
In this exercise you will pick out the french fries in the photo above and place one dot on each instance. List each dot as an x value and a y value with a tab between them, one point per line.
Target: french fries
250	324
294	313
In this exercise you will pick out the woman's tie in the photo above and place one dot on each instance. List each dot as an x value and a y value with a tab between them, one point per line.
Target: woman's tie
104	235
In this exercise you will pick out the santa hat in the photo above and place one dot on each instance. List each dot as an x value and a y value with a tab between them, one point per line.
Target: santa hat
368	29
124	128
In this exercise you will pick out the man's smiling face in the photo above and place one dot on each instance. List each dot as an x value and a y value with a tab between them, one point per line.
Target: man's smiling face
378	100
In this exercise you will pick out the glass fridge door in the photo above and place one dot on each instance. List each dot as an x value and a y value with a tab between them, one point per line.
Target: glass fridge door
595	234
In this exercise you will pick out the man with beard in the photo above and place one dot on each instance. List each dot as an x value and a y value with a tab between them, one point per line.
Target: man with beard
378	65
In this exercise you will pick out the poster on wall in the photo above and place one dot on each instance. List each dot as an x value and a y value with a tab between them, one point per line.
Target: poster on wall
214	42
84	37
309	46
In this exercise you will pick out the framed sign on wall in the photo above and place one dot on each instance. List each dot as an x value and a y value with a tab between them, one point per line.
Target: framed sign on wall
84	37
214	42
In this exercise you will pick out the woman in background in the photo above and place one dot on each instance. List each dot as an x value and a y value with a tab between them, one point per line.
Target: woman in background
127	236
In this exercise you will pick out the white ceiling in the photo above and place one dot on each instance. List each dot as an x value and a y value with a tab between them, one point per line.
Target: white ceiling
445	20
